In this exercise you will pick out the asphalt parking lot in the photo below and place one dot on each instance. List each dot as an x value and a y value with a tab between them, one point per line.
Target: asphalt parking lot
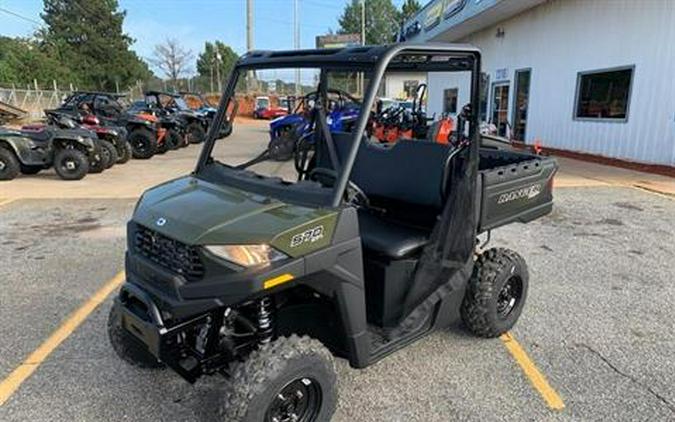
598	324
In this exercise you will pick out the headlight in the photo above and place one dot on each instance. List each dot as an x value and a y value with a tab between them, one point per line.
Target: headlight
247	255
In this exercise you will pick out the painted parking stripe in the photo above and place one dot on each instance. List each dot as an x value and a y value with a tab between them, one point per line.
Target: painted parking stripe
4	202
537	379
9	385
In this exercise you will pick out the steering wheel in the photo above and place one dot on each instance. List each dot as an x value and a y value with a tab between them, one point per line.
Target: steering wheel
353	194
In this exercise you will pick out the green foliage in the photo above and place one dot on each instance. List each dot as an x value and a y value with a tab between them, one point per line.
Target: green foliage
409	9
87	36
207	60
382	20
22	61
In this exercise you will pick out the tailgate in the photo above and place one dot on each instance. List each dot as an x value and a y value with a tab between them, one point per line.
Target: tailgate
518	192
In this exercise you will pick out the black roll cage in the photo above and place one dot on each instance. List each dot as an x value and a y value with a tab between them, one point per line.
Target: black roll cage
372	60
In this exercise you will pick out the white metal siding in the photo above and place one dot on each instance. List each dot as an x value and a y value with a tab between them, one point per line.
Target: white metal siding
563	37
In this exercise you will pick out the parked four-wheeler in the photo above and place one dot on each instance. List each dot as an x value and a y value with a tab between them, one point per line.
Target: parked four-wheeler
143	131
340	113
69	151
263	109
107	138
231	272
191	124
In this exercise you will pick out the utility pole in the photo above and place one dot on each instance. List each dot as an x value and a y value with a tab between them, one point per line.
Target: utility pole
249	37
360	78
363	22
211	73
219	59
296	42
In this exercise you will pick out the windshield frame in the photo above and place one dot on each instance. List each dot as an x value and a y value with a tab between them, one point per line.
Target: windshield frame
374	63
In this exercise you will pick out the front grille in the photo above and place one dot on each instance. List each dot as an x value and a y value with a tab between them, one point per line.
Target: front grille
171	254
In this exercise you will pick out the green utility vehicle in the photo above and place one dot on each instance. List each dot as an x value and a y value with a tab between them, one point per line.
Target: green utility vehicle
264	280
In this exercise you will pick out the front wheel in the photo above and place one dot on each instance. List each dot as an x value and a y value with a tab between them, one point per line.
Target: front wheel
290	379
71	164
9	165
126	346
196	133
109	153
172	140
124	152
143	144
496	293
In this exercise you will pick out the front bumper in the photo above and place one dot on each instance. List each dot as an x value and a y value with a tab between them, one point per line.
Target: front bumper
140	316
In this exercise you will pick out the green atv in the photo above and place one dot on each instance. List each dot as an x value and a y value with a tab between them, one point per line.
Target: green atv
264	281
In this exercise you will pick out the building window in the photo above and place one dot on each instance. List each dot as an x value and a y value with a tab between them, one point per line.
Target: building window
410	88
450	101
604	94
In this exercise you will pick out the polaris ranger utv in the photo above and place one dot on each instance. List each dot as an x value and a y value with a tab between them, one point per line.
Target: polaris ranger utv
264	280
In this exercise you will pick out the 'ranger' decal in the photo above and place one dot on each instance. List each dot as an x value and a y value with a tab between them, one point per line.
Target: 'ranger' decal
311	236
528	192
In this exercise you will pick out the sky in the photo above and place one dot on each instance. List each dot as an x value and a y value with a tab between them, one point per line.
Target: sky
194	22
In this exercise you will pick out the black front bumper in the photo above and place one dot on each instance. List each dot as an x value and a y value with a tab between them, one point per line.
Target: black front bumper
141	317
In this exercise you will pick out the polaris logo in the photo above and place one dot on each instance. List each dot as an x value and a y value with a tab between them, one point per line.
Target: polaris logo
308	236
160	221
528	192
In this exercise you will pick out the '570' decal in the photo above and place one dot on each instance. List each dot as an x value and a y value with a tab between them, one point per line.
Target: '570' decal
308	236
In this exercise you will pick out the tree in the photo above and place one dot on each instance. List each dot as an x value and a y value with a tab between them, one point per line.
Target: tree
172	59
382	20
409	9
22	61
210	68
87	36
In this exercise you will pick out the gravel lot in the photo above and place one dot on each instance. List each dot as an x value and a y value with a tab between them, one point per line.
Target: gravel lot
598	324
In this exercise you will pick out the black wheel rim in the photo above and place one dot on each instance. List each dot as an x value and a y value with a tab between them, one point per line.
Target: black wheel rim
298	401
141	145
509	296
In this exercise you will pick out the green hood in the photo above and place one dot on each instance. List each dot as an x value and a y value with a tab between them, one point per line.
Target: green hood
196	212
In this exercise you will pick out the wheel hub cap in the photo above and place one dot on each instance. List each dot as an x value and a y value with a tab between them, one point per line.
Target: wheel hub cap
298	401
70	165
509	296
2	165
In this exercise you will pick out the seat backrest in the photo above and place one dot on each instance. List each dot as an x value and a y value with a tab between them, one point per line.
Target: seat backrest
409	171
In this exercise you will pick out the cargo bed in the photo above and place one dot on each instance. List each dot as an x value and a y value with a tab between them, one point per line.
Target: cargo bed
513	186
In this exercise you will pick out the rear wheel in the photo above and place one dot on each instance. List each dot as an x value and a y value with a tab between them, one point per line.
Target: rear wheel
496	293
109	151
71	164
124	152
126	346
196	133
143	144
173	140
9	165
290	379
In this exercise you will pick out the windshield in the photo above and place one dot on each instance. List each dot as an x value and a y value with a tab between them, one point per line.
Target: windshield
297	126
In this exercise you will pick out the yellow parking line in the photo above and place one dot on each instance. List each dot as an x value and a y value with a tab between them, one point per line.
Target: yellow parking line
550	396
654	192
12	383
4	202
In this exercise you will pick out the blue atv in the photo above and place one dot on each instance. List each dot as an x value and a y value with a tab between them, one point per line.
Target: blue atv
343	110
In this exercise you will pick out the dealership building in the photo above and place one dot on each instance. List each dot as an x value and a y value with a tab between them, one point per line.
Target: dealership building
591	76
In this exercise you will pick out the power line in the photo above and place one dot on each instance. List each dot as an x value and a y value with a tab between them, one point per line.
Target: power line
9	12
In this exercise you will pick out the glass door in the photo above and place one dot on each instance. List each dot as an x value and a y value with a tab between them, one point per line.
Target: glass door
500	108
521	103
